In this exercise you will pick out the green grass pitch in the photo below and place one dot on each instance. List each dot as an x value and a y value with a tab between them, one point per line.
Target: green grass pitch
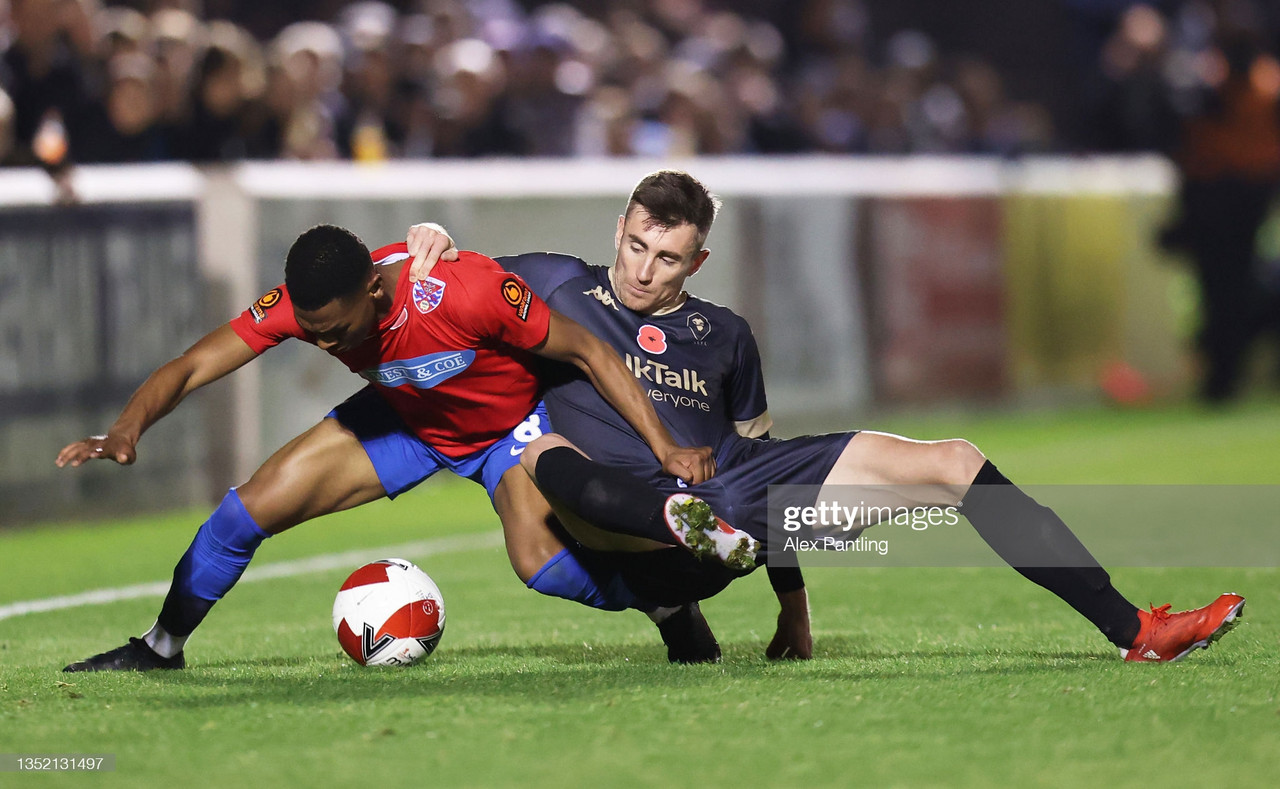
922	677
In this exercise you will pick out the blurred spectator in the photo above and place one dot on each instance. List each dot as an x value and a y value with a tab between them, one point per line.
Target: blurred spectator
121	30
550	78
1138	103
1230	162
44	73
471	111
607	124
373	123
8	149
226	119
375	80
307	94
178	40
127	127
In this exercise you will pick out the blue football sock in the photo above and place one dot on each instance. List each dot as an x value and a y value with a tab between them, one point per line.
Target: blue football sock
565	576
217	557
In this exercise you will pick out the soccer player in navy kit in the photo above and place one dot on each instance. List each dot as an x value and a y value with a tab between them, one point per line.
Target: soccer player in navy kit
702	371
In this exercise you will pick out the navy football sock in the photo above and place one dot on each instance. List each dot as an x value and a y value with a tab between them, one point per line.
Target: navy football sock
1035	541
590	583
218	555
605	497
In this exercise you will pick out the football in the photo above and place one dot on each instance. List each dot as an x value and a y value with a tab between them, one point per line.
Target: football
388	613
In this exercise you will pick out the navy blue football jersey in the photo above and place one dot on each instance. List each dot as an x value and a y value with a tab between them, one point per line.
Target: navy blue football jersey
699	365
701	369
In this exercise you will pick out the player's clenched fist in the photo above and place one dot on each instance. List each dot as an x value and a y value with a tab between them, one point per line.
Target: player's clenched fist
107	447
428	243
691	464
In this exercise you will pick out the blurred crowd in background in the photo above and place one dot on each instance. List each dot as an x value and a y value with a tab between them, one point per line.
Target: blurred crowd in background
221	80
95	81
218	80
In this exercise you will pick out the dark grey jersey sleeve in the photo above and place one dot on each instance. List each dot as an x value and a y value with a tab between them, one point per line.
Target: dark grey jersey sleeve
543	272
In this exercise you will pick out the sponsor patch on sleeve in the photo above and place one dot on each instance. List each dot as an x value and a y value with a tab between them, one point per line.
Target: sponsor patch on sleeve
269	299
518	295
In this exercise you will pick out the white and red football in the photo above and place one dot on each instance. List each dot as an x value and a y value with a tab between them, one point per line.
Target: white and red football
388	613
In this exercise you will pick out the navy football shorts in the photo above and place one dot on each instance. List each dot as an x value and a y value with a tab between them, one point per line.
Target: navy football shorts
738	492
402	460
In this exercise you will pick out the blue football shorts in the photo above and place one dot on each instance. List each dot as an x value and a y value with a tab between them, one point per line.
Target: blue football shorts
402	460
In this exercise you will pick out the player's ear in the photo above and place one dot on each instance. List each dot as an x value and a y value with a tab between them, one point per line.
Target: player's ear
374	287
617	236
698	260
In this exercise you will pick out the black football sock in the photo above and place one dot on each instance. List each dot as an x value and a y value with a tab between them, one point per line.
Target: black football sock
605	497
785	579
181	614
1035	541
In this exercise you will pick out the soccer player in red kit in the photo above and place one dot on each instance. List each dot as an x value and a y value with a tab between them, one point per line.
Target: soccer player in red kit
449	361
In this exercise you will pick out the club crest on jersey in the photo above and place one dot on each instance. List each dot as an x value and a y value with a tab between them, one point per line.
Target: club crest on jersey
427	294
269	299
422	372
518	295
699	325
603	296
652	339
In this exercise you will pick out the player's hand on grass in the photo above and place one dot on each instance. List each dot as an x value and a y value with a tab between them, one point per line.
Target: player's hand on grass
794	639
428	243
691	464
108	447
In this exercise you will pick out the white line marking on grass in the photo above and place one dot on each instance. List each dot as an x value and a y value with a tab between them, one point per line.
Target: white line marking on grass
312	564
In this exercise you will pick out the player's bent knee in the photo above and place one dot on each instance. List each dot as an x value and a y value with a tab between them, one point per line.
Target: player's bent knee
961	461
526	567
529	458
267	499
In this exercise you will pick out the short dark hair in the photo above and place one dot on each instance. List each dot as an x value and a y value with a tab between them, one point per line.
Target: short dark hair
672	198
324	264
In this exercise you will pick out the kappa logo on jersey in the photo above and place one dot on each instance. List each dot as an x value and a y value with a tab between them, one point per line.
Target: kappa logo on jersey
603	296
269	299
427	294
518	295
652	339
699	325
423	372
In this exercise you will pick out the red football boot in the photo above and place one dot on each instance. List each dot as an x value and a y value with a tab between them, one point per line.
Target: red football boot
1168	637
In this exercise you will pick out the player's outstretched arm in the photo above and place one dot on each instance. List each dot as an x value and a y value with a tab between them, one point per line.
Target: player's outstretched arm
569	342
216	354
428	243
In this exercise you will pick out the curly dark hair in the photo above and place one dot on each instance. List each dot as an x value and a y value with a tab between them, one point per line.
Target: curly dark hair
325	263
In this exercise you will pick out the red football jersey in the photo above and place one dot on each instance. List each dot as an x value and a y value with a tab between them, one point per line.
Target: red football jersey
450	357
